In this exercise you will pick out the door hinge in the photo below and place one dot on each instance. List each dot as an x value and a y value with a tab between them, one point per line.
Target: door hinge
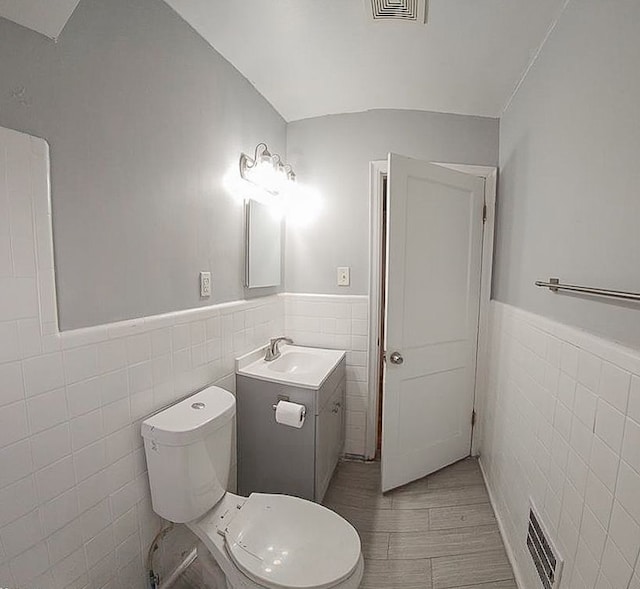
473	418
484	213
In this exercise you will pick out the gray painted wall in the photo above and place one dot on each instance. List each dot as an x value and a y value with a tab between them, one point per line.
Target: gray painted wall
332	154
569	192
144	119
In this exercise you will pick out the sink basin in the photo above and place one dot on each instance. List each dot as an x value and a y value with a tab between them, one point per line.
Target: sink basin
292	362
296	365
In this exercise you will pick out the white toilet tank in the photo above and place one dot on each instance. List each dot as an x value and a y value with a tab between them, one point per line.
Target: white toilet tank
188	449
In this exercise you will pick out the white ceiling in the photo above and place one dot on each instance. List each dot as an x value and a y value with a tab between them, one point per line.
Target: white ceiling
44	16
316	57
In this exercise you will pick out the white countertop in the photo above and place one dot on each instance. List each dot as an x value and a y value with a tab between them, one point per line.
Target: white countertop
297	365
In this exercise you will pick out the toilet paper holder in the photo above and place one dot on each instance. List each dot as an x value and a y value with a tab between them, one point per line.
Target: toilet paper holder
285	398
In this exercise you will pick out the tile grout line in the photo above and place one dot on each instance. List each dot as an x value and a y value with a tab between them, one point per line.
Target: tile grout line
431	571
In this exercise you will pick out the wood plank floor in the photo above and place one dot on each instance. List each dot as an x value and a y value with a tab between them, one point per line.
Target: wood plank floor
436	533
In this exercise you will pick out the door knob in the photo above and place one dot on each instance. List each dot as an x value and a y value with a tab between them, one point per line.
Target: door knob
396	358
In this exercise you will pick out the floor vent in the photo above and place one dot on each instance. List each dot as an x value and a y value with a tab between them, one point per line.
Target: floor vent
405	10
545	556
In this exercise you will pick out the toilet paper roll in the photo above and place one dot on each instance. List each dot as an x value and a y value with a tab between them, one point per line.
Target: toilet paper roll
291	414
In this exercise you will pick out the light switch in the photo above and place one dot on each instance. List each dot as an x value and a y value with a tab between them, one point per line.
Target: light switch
344	276
205	284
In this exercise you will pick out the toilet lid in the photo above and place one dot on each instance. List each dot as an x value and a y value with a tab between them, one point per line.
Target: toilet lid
289	543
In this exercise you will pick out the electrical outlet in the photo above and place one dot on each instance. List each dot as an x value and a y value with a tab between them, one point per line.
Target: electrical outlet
344	276
205	284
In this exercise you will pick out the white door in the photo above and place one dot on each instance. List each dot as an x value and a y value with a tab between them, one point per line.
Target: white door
434	255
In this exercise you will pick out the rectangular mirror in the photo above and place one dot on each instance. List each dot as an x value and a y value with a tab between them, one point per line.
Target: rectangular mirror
263	251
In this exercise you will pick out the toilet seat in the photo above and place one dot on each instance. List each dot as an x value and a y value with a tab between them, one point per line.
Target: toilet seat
284	542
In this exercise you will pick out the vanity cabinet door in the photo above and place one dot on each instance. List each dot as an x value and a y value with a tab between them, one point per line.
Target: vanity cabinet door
329	440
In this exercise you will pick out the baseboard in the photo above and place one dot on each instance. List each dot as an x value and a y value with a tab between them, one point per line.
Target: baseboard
354	457
514	565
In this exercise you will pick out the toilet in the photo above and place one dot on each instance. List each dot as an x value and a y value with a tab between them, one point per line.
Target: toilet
260	541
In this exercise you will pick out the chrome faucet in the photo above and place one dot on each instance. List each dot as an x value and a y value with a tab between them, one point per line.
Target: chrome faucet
273	350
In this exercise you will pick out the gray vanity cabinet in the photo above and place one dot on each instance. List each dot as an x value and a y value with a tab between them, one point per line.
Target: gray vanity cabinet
274	458
330	431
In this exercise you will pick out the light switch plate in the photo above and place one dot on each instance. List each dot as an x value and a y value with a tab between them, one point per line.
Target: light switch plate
205	284
344	276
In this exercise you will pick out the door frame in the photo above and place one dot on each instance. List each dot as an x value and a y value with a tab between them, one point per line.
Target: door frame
378	169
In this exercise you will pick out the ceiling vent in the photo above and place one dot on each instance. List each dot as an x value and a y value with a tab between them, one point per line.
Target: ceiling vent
404	10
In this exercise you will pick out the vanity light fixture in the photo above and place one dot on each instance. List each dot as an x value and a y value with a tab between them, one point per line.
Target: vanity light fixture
265	170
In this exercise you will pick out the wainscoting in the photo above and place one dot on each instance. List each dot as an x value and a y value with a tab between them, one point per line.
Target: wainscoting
75	508
339	322
560	423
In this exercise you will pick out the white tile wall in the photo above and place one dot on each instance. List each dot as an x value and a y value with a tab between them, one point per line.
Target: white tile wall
560	425
74	501
339	322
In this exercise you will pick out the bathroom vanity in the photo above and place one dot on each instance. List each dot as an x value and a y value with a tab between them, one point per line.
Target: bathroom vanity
276	458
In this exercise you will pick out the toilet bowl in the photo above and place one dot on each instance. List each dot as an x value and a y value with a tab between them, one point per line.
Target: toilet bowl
282	542
263	541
